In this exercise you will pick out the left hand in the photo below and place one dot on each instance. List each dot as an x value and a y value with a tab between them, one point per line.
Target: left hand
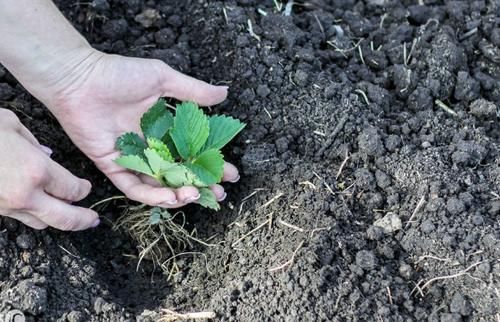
106	95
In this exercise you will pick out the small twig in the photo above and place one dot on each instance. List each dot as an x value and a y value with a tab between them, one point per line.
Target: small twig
284	223
174	316
315	230
273	199
250	232
417	208
333	135
468	34
342	165
290	261
389	295
445	107
320	25
424	257
309	184
68	252
361	55
225	15
365	97
250	30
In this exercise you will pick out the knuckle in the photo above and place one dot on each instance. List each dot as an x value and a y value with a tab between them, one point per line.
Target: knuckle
35	172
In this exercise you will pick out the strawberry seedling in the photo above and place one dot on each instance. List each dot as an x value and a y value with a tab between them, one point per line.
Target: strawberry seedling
176	151
180	150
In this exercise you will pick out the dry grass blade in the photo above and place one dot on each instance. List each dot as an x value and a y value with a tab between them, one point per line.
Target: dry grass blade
170	316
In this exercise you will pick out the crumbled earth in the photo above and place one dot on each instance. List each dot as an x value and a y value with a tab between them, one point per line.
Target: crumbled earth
362	196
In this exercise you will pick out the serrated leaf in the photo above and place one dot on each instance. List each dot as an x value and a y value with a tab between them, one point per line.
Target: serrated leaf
157	120
208	199
208	166
161	148
177	175
135	163
190	131
167	139
130	144
222	130
156	162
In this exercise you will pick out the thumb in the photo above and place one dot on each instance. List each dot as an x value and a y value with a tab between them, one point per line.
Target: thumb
186	88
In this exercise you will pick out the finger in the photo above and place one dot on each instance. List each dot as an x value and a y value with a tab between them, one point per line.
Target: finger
61	215
62	184
186	88
231	173
135	189
33	140
28	135
187	194
219	192
29	220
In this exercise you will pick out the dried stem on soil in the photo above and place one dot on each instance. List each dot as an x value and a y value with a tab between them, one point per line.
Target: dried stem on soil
417	208
169	315
342	165
290	261
333	135
252	231
445	277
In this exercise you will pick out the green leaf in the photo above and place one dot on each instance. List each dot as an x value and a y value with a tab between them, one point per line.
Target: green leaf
157	120
208	166
177	175
156	162
207	199
135	163
191	129
167	139
161	148
222	130
130	144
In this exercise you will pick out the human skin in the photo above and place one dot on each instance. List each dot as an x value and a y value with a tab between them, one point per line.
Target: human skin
96	97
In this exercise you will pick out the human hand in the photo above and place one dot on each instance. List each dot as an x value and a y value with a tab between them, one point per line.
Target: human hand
34	189
105	96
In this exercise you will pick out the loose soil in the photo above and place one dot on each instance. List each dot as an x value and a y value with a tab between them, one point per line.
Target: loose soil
362	199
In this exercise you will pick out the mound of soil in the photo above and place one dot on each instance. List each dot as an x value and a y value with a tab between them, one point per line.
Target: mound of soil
371	167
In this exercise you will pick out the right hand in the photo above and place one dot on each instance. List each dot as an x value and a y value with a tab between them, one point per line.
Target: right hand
33	188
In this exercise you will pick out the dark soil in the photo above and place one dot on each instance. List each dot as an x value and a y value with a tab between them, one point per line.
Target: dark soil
365	239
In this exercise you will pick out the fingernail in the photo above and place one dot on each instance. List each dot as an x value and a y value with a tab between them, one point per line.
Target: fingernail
96	223
167	204
46	150
223	197
192	199
235	179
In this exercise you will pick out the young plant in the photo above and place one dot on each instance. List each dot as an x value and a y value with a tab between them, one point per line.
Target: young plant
179	150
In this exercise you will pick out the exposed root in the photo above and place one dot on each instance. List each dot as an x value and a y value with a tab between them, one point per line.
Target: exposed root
162	242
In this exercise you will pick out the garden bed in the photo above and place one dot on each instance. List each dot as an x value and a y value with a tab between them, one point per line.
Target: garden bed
370	167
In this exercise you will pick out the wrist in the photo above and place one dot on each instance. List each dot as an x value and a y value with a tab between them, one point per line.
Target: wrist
53	79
